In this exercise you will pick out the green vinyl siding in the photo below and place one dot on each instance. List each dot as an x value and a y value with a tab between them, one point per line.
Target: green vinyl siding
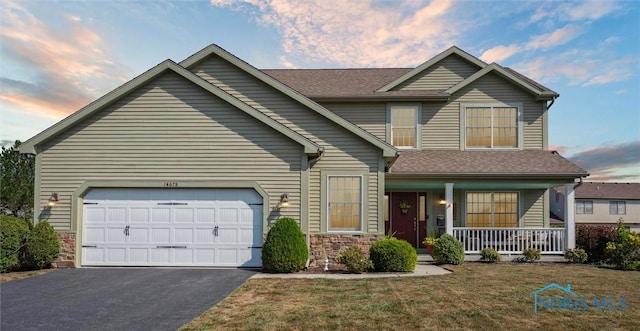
343	150
534	213
440	76
168	130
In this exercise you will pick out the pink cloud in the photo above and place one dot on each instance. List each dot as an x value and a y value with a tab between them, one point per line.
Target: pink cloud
66	60
555	38
358	33
499	53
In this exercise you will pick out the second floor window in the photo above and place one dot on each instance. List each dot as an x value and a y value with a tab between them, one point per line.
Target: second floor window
617	207
491	127
584	207
404	128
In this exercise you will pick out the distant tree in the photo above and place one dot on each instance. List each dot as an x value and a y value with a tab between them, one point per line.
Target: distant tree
16	182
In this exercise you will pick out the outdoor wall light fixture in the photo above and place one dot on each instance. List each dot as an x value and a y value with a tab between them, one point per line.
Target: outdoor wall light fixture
53	199
284	201
442	200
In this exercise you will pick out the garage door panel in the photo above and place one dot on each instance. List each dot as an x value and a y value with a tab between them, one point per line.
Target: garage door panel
139	215
184	215
161	235
116	235
94	235
116	255
139	235
172	227
116	215
160	256
139	256
95	215
161	215
184	235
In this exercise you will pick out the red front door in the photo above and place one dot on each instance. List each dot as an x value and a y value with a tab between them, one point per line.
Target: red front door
404	220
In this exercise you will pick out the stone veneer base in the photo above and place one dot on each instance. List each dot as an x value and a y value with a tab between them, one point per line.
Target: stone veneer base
67	256
329	245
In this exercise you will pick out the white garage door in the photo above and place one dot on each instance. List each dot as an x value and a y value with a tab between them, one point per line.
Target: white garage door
172	227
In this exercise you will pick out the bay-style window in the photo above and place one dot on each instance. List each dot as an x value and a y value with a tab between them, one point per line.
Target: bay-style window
492	209
404	125
344	210
492	126
584	207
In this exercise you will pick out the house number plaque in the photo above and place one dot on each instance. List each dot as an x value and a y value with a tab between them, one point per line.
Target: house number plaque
171	184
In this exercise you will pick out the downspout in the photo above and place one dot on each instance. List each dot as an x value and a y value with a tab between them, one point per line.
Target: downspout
314	160
551	104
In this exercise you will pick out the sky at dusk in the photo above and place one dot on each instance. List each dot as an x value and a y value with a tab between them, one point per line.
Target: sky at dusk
58	56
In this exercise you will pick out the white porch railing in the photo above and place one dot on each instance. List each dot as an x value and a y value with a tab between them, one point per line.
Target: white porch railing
511	240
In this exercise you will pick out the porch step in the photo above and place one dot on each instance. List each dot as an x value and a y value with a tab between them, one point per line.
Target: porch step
426	258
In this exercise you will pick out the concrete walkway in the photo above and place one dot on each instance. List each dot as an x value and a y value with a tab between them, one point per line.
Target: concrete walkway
421	270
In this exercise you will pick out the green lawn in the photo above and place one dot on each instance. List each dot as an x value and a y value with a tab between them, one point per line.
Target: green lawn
476	296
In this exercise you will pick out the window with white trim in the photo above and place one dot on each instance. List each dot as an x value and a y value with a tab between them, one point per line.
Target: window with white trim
404	125
492	209
584	207
491	126
617	207
344	210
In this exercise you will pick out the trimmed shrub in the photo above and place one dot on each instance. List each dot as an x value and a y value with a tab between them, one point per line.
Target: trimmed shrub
531	254
42	248
392	254
285	249
624	253
489	255
13	235
593	239
575	255
448	250
355	259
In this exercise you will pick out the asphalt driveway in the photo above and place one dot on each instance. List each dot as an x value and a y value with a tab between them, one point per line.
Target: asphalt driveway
114	298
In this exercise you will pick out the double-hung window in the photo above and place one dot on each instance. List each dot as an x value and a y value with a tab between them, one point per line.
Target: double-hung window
345	203
404	125
492	209
617	207
584	207
492	126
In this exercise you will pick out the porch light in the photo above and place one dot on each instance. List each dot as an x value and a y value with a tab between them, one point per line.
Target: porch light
284	201
442	200
53	199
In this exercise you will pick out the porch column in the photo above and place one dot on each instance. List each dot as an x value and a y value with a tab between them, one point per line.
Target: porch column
569	216
448	193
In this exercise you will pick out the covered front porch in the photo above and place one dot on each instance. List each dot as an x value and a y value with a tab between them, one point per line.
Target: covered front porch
508	216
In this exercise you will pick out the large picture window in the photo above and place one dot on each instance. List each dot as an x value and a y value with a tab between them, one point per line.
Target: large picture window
584	207
492	209
345	203
491	127
404	128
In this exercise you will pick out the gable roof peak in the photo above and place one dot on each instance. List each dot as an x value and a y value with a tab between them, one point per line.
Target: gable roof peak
453	50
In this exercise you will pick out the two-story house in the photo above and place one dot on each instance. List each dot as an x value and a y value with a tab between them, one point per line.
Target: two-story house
601	203
189	163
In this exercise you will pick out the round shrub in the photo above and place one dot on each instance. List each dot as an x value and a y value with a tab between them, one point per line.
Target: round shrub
13	235
392	254
449	250
489	255
285	249
531	254
576	255
355	259
42	247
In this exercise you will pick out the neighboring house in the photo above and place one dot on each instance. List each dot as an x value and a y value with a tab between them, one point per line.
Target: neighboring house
189	163
602	203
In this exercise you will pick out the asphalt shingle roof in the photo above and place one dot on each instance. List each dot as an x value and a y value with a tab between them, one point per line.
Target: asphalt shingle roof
491	162
593	190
